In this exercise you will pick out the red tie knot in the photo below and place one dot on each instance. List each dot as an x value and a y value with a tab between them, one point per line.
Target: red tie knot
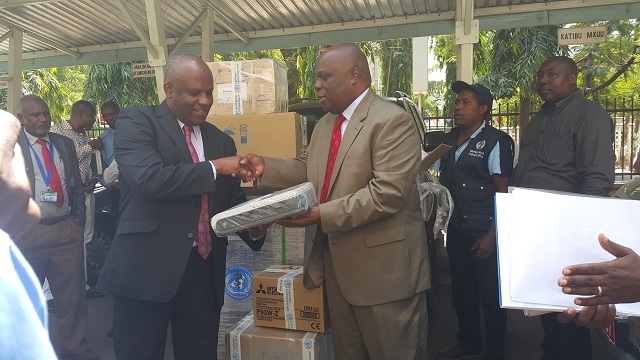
42	142
187	130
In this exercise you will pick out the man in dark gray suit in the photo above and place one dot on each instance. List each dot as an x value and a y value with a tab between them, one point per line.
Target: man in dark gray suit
165	263
56	249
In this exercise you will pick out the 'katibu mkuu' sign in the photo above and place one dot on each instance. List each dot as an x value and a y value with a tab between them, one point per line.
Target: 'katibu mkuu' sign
582	35
140	70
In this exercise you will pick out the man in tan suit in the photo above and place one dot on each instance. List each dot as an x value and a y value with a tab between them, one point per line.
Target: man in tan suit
366	240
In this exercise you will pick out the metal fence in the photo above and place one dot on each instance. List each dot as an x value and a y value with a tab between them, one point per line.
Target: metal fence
624	112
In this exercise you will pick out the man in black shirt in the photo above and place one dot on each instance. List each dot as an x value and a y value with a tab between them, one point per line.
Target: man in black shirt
566	147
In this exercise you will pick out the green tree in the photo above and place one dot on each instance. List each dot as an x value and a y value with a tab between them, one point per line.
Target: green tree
58	87
610	69
434	100
306	67
515	56
290	57
114	82
396	65
444	50
250	55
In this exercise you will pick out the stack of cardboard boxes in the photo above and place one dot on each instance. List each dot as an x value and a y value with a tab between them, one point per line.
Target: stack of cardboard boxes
250	105
249	87
288	321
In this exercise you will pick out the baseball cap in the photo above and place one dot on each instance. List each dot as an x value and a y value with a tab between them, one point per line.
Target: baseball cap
479	89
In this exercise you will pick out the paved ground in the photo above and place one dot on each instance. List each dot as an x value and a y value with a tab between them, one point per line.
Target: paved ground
523	334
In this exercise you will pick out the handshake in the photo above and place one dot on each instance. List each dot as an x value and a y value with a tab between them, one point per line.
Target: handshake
247	168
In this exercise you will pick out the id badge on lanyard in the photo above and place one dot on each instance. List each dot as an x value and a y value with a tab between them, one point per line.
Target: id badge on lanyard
47	196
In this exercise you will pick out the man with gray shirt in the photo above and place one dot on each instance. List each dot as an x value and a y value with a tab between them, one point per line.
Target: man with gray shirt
567	146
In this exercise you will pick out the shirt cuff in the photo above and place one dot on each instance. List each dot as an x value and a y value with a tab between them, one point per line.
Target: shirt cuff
215	173
257	237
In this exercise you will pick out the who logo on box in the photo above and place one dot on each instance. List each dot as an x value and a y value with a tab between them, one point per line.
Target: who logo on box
237	282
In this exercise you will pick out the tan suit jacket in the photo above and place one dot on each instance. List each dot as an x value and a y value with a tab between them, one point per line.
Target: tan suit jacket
372	219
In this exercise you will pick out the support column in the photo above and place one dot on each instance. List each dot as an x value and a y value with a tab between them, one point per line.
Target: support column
158	41
14	83
208	29
467	34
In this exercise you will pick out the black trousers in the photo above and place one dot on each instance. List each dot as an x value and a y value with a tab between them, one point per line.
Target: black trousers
474	283
564	341
140	327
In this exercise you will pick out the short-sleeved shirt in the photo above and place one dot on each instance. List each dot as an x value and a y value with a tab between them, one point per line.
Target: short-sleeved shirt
83	149
107	153
497	160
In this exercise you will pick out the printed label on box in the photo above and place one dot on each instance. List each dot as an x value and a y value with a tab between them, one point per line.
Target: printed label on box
280	300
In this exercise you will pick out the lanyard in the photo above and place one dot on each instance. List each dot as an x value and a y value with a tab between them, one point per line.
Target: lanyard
46	177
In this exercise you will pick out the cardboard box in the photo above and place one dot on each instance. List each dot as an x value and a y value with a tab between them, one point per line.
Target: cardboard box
249	87
280	300
280	135
249	342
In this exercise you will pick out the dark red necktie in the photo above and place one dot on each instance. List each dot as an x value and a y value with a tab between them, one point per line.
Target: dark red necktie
203	238
336	139
54	182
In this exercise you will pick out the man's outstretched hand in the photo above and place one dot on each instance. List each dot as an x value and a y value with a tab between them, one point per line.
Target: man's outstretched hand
245	168
252	167
609	282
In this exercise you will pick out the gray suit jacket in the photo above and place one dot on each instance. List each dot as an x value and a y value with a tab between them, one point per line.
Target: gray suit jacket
372	217
160	190
75	191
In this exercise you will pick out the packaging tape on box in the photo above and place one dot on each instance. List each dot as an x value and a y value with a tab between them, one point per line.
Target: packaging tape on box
235	347
285	286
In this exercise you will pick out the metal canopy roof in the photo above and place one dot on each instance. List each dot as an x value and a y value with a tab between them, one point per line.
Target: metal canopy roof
73	32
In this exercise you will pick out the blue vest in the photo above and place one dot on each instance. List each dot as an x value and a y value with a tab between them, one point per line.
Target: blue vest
469	181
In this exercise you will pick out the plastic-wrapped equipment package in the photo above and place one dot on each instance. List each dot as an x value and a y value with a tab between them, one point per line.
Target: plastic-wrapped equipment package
430	189
266	209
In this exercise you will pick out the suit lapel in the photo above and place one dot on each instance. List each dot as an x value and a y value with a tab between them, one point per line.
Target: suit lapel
66	151
169	123
351	133
26	154
208	142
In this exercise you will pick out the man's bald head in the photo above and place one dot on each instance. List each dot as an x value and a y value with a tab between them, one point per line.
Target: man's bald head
342	73
188	86
25	99
557	78
351	54
176	64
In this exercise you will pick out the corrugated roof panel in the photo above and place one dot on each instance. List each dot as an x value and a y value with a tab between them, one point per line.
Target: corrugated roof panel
179	16
80	23
296	16
243	13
